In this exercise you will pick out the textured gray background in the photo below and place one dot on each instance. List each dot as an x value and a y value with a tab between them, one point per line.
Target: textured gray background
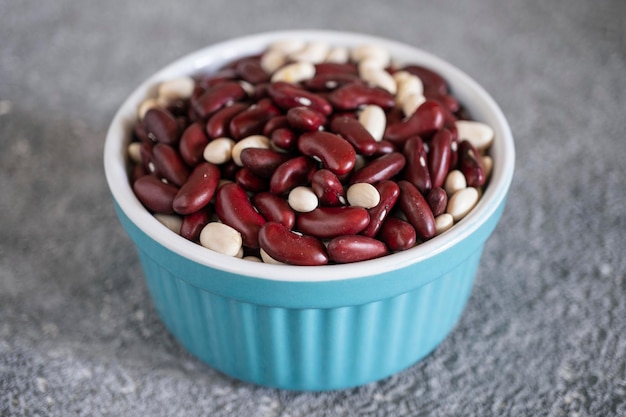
544	333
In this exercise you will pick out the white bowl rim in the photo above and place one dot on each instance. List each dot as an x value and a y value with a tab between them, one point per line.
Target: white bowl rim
116	169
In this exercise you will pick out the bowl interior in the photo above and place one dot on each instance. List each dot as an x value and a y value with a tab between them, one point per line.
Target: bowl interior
479	103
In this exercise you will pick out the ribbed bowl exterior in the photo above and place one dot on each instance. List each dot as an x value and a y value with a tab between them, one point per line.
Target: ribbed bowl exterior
310	349
310	328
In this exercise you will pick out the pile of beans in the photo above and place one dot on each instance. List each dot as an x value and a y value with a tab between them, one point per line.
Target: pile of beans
309	154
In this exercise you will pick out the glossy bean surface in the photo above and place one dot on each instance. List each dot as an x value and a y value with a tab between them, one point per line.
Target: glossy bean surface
397	234
198	190
329	222
156	195
355	248
291	248
336	153
380	169
233	207
335	143
416	209
389	192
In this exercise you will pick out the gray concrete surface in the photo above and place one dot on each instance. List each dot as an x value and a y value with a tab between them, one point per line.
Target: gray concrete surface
544	333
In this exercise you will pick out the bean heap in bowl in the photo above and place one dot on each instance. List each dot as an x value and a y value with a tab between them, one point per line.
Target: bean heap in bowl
309	154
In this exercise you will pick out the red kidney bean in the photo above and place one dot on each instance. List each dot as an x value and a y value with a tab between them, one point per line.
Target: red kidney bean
416	209
284	138
380	169
206	81
251	121
263	162
251	182
416	168
395	115
446	100
179	108
355	248
331	81
260	91
287	95
154	194
233	207
192	144
439	157
329	222
384	147
427	119
275	123
397	234
274	209
218	96
354	95
437	199
169	164
335	152
232	65
291	173
140	134
136	172
217	125
250	70
305	119
355	133
193	223
389	192
470	164
291	248
332	68
328	188
316	122
454	149
198	190
147	157
433	82
161	126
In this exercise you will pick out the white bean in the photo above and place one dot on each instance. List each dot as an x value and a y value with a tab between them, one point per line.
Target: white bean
371	52
294	73
176	89
487	165
221	238
363	195
313	52
219	150
407	84
411	103
373	118
254	141
377	77
462	202
455	181
272	60
134	152
338	55
268	259
171	221
287	46
478	134
443	222
147	104
252	258
302	199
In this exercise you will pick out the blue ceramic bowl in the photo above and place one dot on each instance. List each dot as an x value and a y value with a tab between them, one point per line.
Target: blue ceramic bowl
310	328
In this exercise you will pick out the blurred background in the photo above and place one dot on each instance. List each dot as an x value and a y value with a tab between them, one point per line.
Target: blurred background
544	331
